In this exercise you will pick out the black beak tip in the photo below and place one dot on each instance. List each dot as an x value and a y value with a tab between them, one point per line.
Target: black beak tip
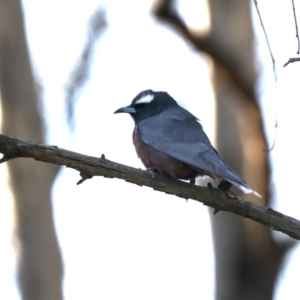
126	109
118	111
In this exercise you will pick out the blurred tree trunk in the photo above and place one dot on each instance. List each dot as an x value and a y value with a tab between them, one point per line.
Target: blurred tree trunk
247	258
40	267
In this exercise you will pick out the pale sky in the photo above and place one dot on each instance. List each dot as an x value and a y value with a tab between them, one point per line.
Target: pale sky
120	241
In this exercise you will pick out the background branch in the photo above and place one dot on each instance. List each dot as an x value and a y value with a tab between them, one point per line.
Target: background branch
296	26
248	247
266	37
81	73
91	166
165	11
291	60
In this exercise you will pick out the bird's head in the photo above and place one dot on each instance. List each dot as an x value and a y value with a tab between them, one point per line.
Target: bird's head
147	104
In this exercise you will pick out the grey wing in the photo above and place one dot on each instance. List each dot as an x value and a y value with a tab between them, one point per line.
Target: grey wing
185	140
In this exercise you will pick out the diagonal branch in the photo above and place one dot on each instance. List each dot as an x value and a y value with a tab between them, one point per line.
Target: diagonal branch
296	26
89	166
81	73
291	60
164	10
267	40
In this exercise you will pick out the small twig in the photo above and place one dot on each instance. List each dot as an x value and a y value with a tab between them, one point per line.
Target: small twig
265	33
93	166
296	25
276	125
273	63
291	60
83	178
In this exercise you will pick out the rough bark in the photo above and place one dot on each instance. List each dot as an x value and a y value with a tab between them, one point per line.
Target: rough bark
92	166
39	261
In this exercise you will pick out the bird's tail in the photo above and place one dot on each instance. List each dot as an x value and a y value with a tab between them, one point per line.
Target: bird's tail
245	188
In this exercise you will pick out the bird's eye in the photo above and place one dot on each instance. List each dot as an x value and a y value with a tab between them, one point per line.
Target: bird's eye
139	106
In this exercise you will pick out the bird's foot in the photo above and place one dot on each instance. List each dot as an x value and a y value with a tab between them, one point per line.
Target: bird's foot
153	172
192	181
225	186
231	195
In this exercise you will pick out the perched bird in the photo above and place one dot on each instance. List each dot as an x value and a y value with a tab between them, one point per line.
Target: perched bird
169	140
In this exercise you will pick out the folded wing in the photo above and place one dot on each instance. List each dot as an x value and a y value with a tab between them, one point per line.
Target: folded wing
182	137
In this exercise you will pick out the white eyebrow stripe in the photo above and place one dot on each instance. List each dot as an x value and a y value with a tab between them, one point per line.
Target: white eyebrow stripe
145	99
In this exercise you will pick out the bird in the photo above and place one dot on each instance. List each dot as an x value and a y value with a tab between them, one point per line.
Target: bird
171	141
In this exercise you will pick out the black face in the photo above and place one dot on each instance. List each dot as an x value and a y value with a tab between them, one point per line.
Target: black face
146	104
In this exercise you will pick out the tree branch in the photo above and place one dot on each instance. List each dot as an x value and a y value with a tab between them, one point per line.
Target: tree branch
89	166
267	40
165	11
81	73
296	26
291	60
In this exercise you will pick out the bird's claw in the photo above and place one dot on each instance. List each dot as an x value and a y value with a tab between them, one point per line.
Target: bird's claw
224	185
153	172
192	181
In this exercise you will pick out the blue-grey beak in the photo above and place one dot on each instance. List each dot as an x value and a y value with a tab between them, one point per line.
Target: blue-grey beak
125	109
